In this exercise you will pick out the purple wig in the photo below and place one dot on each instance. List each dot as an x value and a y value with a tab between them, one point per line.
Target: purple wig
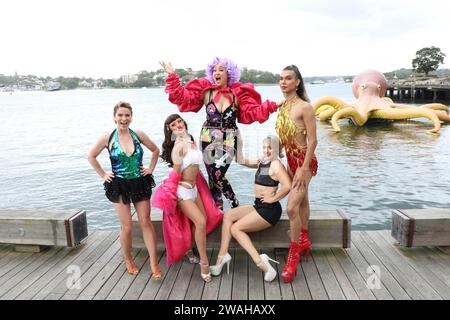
232	69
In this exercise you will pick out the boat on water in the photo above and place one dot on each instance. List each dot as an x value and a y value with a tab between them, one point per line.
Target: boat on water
318	82
53	86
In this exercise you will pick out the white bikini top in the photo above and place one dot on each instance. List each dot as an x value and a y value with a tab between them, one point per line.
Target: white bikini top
193	156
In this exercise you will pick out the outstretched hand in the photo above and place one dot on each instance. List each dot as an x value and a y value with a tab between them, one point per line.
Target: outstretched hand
167	67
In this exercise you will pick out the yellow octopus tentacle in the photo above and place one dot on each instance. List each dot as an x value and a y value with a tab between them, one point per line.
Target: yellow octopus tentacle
346	113
436	106
331	101
399	114
327	114
323	108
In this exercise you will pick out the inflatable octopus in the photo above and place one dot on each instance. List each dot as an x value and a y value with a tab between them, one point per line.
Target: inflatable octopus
369	88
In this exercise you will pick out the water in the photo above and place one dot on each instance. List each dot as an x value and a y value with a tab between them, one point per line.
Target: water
366	171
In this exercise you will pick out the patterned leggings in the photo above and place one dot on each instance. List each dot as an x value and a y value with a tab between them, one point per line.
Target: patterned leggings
219	148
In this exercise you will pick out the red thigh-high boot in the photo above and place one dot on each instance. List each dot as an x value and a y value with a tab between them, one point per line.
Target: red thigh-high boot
304	244
290	269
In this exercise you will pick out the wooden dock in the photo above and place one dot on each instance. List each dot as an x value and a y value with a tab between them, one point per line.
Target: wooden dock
338	274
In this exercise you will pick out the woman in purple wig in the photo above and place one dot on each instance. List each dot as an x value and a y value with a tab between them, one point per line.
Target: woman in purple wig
226	101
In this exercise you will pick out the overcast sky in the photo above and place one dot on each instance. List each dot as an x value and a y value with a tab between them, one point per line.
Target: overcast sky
108	38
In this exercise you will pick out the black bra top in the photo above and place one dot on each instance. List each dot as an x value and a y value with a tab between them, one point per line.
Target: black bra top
263	178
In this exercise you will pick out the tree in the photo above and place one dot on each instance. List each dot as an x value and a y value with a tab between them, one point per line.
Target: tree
428	59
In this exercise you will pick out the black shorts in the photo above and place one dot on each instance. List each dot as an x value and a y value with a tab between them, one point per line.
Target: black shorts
130	190
271	212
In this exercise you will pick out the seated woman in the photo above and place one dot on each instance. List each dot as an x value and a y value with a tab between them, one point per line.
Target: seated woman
263	214
184	196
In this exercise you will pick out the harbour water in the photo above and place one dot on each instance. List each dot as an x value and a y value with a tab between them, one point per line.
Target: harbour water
45	137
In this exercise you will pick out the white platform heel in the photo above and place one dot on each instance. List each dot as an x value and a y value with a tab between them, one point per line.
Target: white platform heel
217	269
270	274
205	276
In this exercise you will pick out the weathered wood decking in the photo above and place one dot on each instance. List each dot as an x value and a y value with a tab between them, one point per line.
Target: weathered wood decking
404	273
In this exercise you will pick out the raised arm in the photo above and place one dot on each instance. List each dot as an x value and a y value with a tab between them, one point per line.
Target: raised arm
188	98
93	154
146	141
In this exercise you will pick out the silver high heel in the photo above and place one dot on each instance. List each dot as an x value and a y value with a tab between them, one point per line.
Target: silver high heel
270	274
205	276
217	269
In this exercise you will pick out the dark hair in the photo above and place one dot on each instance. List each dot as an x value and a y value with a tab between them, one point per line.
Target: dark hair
301	92
169	141
122	104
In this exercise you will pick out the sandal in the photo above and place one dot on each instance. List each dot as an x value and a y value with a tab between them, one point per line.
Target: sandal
131	267
157	274
205	276
192	258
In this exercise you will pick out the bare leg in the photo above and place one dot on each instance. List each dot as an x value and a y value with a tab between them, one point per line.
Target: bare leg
305	212
229	218
249	223
148	232
197	216
296	198
123	211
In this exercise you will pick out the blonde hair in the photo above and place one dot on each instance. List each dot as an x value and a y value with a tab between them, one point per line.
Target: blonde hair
274	143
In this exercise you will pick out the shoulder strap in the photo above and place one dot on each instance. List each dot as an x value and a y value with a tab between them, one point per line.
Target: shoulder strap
134	135
111	136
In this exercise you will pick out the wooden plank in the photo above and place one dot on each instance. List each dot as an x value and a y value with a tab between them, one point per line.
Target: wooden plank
112	281
61	266
4	253
36	272
226	280
127	279
152	287
353	275
9	283
89	267
197	285
380	292
299	285
58	285
386	277
211	291
272	290
286	288
415	260
42	227
421	227
402	264
17	262
169	280
341	277
182	281
142	279
94	270
240	276
255	281
329	281
326	230
313	279
393	267
102	277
